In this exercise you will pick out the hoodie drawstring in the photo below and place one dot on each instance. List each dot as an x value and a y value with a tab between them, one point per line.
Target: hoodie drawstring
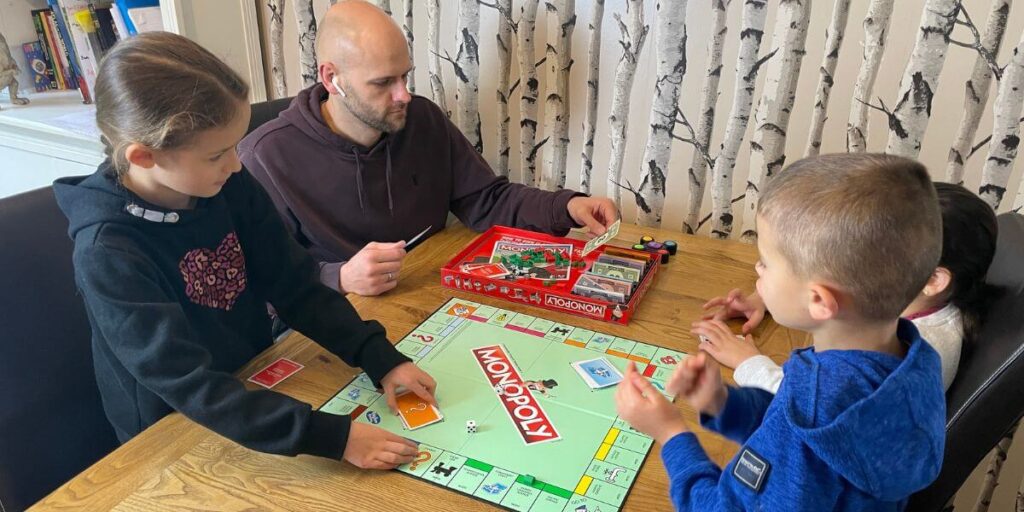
387	177
359	180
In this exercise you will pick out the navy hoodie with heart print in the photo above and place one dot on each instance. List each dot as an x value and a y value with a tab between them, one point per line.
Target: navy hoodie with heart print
177	301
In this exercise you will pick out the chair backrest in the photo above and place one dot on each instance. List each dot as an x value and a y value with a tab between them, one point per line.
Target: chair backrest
52	421
987	396
265	111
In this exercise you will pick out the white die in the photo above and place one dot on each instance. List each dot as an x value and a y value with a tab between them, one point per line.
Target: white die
471	427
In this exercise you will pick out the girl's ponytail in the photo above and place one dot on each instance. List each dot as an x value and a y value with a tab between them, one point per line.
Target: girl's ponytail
159	89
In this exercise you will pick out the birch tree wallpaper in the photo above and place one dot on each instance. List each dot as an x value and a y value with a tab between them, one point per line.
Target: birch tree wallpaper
681	110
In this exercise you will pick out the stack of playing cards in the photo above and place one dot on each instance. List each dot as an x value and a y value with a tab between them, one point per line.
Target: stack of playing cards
274	373
598	373
416	412
611	278
491	270
604	288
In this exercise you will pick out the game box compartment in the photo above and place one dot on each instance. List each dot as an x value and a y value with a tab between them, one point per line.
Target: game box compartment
555	297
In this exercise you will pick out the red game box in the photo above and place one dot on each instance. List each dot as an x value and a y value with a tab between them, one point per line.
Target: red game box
554	291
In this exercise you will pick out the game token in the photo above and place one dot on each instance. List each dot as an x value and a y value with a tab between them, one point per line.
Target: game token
639	247
664	255
646	239
654	246
528	479
672	246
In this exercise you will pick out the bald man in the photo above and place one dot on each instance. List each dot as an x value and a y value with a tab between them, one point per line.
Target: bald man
356	164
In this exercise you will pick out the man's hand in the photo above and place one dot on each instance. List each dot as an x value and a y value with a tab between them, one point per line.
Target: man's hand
596	214
698	380
412	378
647	410
373	270
735	305
371	447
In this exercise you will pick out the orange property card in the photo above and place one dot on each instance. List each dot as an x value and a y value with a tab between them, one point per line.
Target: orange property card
415	412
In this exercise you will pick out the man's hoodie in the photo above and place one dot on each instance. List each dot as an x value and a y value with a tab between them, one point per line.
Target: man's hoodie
177	303
848	430
336	196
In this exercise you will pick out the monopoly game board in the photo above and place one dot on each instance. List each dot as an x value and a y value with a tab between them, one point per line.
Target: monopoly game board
543	440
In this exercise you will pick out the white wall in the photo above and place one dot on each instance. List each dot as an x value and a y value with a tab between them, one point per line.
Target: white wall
228	28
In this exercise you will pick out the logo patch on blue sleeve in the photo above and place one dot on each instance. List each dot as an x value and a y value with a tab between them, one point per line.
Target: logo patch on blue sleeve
751	469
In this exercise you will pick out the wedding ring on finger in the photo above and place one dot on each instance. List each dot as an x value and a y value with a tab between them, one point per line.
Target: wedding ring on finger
391	277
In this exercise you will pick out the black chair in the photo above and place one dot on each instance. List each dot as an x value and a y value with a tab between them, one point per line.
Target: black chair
52	424
265	111
52	421
987	397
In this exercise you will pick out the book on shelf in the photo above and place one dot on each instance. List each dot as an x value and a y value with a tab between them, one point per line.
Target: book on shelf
63	33
119	22
46	35
44	47
104	26
72	36
37	64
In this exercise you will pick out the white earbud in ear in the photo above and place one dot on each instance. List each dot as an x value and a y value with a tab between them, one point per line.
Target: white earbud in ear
334	80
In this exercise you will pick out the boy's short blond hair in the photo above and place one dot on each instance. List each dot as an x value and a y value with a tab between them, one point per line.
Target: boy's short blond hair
868	223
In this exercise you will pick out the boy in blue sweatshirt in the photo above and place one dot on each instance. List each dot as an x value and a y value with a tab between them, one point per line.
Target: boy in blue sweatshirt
845	243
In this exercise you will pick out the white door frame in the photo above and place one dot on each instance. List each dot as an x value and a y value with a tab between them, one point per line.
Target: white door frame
173	16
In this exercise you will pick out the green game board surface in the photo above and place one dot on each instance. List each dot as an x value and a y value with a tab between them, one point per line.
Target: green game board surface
590	468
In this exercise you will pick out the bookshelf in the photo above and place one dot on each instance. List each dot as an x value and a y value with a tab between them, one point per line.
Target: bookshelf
54	135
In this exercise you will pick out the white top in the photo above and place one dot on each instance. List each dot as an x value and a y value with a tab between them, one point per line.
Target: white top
943	330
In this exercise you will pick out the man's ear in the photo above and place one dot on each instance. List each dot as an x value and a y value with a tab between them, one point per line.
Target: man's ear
823	302
140	155
329	77
938	282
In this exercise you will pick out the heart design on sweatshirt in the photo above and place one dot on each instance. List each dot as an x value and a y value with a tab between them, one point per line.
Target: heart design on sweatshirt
215	278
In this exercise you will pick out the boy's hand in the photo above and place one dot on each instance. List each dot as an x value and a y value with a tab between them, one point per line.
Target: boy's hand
735	305
412	378
719	341
698	380
647	410
371	447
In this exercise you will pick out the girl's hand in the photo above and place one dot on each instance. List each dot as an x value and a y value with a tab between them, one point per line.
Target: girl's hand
371	447
735	305
646	409
718	340
409	376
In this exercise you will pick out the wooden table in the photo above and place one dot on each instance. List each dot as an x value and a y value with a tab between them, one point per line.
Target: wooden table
179	465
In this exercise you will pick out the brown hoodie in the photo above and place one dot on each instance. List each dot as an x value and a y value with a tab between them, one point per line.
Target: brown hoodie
336	196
